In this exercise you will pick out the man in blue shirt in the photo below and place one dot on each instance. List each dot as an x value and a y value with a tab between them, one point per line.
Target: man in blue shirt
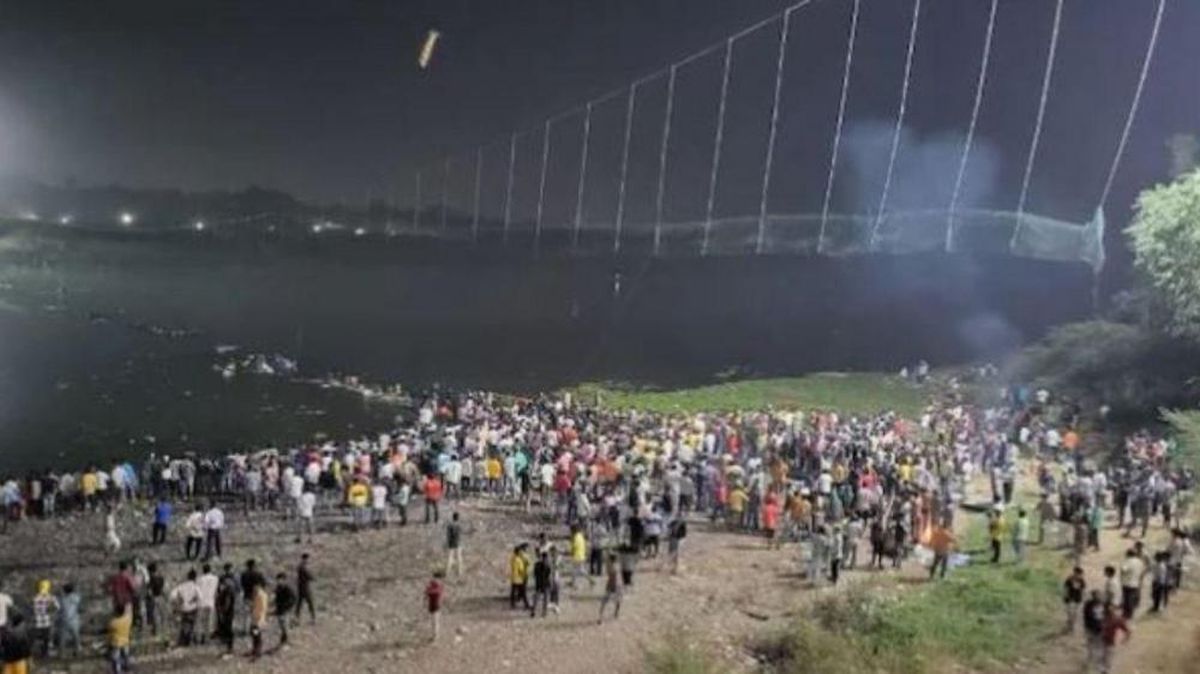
162	517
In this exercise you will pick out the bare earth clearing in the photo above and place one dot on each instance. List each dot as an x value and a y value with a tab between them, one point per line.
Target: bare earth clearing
371	612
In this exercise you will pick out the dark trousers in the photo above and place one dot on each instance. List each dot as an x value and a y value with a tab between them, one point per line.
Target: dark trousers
256	639
995	552
939	561
1130	598
835	567
193	547
158	534
431	507
187	628
283	635
225	629
542	596
519	592
1160	593
596	562
213	544
305	597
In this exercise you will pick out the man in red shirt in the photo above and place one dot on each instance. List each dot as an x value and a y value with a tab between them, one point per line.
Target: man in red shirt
120	587
1114	623
434	592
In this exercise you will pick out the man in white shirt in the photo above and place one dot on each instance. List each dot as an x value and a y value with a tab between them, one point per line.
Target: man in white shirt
214	524
194	526
6	605
306	506
186	600
207	584
379	505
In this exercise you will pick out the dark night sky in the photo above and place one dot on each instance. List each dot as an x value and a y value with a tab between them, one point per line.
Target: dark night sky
324	99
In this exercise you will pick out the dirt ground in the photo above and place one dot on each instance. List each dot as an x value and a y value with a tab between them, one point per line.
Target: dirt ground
371	613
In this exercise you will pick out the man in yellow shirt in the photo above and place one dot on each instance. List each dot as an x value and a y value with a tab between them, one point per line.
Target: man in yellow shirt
737	504
579	555
518	570
359	496
89	482
120	627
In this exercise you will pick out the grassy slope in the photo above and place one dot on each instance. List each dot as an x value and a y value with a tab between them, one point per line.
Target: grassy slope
858	393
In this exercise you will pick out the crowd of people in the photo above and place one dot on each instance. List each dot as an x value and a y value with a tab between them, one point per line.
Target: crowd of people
616	489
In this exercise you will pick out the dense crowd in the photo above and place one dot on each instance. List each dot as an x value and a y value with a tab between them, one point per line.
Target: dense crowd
617	489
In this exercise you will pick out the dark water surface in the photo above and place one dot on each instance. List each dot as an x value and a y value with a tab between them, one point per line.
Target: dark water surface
82	373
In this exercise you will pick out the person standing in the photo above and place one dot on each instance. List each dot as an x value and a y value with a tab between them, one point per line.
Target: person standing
1114	624
942	542
1020	535
613	589
1133	570
579	555
259	604
194	527
251	578
227	592
15	646
676	532
207	584
433	497
45	609
306	508
996	528
120	629
186	600
518	571
285	601
434	593
153	594
162	519
1160	588
454	556
1073	589
69	621
214	525
304	592
541	585
1093	630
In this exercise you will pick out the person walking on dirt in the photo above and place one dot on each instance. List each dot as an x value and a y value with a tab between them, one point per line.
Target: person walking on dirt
434	594
1114	624
454	556
541	585
613	589
1020	535
1133	570
942	542
1073	589
304	591
227	593
518	576
996	529
1093	630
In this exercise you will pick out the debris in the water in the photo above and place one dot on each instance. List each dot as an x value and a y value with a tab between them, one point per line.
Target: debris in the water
431	40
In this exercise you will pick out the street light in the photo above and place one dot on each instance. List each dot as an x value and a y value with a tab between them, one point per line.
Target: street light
65	219
360	231
127	218
199	226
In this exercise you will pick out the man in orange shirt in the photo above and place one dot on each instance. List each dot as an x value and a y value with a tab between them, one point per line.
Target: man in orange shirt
433	496
942	541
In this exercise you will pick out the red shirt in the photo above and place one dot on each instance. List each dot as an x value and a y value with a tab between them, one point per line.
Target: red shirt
433	489
433	595
120	587
1112	625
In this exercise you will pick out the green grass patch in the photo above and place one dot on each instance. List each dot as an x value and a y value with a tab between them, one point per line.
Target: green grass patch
853	393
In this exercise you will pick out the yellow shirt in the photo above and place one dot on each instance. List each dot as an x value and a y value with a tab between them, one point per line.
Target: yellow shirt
119	629
359	495
88	484
494	468
258	610
578	547
518	569
737	500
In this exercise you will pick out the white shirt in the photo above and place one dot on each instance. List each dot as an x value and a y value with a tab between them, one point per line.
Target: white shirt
295	486
207	585
6	603
195	525
307	503
214	520
186	596
379	497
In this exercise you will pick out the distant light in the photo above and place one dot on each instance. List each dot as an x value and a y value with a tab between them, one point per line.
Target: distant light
316	229
427	47
65	219
360	231
271	228
29	215
127	219
199	226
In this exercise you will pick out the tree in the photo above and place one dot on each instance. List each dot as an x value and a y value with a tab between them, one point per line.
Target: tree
1165	235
